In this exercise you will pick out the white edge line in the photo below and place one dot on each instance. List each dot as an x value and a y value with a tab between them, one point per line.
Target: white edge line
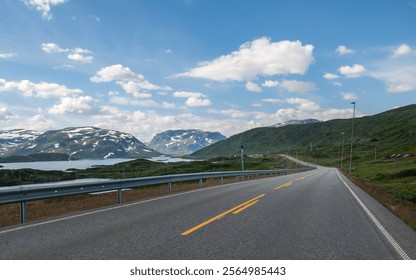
117	207
386	234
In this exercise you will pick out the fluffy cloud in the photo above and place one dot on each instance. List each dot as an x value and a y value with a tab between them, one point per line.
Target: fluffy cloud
115	72
292	85
77	54
398	78
330	76
198	102
355	71
52	48
194	99
259	57
343	50
269	83
43	89
402	50
80	57
5	114
303	104
349	96
44	6
253	87
80	105
7	55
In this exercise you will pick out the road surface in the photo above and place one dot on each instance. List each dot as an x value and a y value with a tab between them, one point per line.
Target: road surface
317	214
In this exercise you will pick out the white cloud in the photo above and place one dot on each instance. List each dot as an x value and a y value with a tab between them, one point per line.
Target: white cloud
5	114
291	85
343	50
303	104
270	84
330	76
7	55
52	48
115	72
259	57
187	94
355	71
39	122
298	86
80	105
198	102
76	54
349	96
44	6
398	78
80	57
232	113
272	100
194	99
253	87
402	50
42	89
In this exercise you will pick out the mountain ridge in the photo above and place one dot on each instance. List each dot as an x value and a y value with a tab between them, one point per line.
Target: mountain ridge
83	143
182	142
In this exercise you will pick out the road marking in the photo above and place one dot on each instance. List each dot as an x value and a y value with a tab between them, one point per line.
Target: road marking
242	205
288	184
300	179
386	234
245	207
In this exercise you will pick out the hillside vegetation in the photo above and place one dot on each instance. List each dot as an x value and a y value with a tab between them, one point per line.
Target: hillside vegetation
393	131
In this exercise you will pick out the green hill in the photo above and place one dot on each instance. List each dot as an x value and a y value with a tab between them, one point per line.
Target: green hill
392	131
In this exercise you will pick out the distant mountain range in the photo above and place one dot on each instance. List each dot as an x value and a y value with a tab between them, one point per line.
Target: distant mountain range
393	131
76	142
183	142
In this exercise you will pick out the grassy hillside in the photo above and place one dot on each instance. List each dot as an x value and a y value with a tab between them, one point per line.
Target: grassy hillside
393	131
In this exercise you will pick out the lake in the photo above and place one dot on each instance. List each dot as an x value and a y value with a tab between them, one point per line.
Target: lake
78	164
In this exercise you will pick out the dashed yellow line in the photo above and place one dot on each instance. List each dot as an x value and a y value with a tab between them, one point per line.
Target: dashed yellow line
245	207
237	209
288	184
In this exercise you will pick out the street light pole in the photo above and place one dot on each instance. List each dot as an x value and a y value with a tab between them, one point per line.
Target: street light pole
352	137
242	158
342	149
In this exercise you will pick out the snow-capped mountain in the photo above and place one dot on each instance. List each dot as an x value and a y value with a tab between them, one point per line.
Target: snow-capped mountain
85	143
12	138
183	142
292	122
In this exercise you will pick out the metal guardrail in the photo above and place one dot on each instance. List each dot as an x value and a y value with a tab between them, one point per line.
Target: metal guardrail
24	193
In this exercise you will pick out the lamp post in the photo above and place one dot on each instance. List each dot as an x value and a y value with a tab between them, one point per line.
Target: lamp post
242	158
342	149
352	137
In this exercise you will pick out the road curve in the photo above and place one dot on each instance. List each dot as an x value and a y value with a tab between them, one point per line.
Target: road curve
317	214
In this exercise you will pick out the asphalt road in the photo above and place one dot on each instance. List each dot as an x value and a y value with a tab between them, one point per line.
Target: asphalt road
317	214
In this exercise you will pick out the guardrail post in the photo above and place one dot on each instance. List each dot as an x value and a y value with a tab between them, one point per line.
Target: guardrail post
222	180
200	183
22	212
170	188
119	196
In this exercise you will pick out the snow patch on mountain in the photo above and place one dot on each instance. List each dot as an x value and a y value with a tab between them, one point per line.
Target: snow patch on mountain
82	143
183	142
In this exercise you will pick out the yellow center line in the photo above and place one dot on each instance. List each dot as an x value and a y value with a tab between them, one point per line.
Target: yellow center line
245	207
288	184
300	179
221	215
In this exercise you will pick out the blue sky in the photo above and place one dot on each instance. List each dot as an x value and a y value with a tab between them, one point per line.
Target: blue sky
145	66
